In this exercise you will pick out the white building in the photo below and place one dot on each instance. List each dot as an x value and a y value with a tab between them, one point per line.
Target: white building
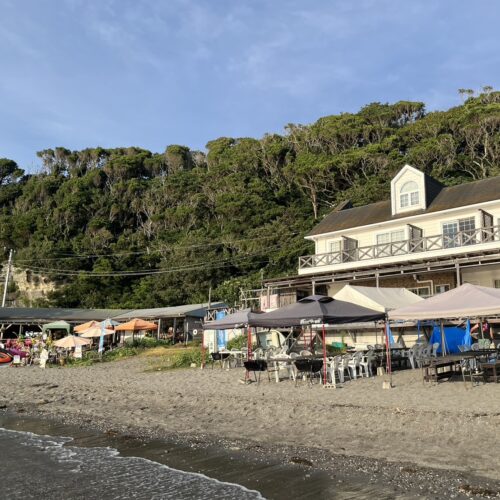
427	238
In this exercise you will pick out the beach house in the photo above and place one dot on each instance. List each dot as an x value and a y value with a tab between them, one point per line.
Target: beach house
426	238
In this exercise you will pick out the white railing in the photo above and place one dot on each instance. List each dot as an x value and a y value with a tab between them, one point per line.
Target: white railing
415	245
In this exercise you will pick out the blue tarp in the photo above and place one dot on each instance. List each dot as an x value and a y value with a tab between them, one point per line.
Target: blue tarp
221	334
454	336
389	334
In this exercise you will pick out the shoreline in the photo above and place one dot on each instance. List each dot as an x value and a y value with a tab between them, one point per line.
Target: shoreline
308	472
257	456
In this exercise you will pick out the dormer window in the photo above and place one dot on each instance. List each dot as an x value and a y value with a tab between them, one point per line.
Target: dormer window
409	195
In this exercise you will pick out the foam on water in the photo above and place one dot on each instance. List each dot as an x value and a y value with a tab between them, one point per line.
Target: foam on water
46	466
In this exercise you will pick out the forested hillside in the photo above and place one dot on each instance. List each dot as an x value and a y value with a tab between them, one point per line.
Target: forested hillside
127	227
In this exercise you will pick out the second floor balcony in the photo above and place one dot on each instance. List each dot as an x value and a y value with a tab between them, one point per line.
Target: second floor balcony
447	244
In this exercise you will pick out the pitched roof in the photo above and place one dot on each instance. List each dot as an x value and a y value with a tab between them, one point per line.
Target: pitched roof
448	197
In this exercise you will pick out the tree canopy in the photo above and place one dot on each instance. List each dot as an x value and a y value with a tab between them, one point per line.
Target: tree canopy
127	227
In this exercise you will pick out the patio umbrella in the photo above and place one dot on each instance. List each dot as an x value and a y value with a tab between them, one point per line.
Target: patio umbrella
96	331
136	325
317	309
85	326
71	341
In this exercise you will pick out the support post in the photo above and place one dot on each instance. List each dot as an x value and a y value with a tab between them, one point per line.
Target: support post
443	338
159	328
203	350
174	331
324	355
458	278
377	279
388	353
314	287
7	276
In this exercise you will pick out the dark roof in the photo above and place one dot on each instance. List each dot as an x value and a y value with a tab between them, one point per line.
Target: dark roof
438	200
27	314
44	315
191	310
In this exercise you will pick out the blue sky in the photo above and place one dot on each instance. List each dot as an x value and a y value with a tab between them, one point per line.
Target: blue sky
148	73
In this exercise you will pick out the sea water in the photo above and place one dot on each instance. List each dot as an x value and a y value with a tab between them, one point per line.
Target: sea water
39	466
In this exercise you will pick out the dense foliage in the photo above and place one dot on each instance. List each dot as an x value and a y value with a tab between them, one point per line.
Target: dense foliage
185	221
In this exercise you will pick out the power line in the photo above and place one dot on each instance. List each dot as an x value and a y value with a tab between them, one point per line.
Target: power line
144	252
75	272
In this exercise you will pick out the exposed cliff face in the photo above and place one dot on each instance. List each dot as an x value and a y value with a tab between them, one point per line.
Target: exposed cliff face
27	289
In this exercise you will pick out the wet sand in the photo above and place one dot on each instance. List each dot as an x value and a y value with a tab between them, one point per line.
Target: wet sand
411	440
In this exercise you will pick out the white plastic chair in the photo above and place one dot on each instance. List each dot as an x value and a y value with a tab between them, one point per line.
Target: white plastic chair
353	364
435	347
366	364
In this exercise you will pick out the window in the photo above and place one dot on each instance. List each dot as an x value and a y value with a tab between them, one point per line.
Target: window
422	291
441	288
409	195
334	248
390	243
459	233
496	283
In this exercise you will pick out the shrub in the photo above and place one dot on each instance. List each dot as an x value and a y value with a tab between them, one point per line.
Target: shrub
237	342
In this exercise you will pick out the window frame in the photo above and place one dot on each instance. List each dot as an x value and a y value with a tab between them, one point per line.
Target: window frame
441	284
412	198
415	288
457	223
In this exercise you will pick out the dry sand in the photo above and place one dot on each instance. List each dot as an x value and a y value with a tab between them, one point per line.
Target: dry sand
447	426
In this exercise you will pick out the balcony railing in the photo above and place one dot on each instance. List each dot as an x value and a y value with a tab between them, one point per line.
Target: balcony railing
405	247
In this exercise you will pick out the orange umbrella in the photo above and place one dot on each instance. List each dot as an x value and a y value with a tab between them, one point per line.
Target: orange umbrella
95	332
86	326
136	325
71	341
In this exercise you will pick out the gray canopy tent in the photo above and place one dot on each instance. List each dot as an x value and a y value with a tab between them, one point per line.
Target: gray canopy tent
466	301
316	309
239	319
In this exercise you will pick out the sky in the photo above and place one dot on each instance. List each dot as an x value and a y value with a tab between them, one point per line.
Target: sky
149	73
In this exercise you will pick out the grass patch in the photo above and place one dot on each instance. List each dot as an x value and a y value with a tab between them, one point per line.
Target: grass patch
176	358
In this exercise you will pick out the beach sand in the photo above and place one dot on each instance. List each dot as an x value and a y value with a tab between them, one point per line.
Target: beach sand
401	434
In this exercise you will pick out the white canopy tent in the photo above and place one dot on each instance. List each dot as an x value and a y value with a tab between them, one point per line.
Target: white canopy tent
379	299
466	301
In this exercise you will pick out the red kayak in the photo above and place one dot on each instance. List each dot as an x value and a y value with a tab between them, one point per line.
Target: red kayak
5	358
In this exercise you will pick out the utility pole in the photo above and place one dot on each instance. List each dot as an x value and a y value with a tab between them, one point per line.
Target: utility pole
7	276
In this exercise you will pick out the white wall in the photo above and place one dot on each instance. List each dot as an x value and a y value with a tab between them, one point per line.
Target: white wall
431	225
481	275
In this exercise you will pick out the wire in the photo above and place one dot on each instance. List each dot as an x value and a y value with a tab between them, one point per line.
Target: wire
75	272
159	250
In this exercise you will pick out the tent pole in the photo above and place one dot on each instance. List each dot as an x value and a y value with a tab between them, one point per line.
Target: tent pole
481	328
324	355
249	342
388	352
443	338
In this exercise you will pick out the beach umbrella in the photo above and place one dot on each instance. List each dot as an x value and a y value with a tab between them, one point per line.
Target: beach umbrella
96	331
136	325
85	326
71	341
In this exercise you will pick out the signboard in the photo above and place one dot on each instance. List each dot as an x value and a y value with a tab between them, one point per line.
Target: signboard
78	351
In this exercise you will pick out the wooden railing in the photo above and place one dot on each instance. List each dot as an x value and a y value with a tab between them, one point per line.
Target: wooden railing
416	245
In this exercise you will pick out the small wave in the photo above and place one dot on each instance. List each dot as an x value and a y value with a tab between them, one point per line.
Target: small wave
102	472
